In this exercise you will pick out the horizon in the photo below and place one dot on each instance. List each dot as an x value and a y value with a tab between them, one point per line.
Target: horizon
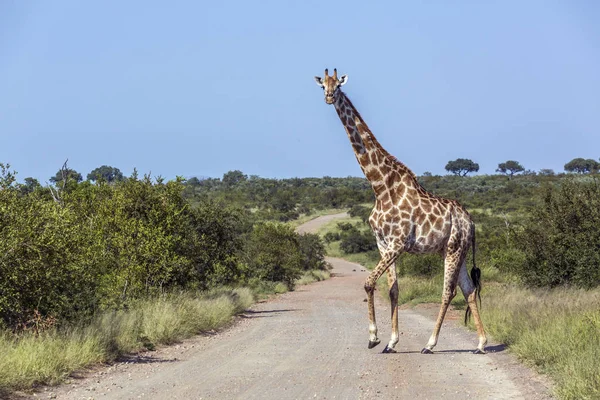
84	174
202	89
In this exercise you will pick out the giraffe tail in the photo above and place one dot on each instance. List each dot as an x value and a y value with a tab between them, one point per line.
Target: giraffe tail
475	276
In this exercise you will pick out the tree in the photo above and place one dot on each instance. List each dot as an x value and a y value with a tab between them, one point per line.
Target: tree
582	166
193	181
546	172
66	174
106	173
462	166
29	185
232	178
7	177
510	168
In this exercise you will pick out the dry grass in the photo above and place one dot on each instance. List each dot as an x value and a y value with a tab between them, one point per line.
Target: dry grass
28	360
557	331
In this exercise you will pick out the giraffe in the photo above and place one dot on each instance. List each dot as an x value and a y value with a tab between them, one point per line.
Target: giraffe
406	218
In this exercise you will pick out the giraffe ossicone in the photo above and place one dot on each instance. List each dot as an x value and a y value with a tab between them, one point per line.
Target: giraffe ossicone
406	218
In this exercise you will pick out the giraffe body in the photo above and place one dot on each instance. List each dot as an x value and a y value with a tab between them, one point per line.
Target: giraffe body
406	218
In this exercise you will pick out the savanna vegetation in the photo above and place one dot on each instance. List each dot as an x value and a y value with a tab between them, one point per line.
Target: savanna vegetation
115	264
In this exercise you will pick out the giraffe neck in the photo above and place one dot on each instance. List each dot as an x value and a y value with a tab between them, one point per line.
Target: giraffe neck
381	169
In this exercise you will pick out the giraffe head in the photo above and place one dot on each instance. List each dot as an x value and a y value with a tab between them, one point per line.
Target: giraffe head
331	85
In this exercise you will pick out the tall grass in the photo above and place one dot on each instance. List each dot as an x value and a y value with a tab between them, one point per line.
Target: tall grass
28	360
556	330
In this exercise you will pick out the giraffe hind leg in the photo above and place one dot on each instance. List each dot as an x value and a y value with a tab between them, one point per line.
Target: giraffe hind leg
451	265
468	288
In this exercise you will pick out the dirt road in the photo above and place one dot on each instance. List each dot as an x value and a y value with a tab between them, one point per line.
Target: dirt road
312	344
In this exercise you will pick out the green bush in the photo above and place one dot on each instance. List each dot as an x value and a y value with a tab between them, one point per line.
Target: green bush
46	263
94	247
331	237
561	239
273	253
313	252
355	241
507	259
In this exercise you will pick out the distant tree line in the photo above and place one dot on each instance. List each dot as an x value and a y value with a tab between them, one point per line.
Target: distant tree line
464	166
281	199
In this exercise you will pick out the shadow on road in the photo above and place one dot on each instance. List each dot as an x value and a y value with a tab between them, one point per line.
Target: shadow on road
258	314
145	360
490	349
496	348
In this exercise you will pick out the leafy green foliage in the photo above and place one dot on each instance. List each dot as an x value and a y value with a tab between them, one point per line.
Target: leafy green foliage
38	269
273	253
560	240
313	252
70	251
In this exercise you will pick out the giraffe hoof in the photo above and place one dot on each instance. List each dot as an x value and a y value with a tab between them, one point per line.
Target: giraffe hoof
426	351
479	351
373	343
388	350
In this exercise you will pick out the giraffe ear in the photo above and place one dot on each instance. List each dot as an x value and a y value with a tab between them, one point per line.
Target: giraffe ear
319	81
343	80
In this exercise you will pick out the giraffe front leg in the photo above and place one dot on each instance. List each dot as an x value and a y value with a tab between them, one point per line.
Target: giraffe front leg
370	289
393	285
387	259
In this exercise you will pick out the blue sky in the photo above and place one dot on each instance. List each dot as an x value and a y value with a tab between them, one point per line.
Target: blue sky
201	88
